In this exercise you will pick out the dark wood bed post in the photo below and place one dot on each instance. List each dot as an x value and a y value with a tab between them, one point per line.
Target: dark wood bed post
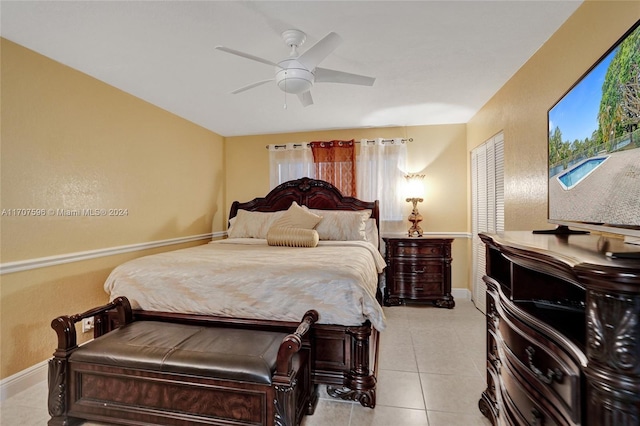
360	381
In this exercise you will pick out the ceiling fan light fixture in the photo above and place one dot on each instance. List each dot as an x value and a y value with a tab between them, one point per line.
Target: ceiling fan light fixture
294	80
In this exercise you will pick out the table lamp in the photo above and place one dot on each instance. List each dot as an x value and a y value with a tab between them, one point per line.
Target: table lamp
415	190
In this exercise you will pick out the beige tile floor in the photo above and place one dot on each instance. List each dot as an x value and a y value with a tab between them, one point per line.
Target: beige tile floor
431	373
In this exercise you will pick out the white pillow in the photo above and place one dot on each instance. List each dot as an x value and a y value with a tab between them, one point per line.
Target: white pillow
371	232
342	225
297	217
248	224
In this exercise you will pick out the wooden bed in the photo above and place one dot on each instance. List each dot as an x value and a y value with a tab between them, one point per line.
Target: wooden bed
344	357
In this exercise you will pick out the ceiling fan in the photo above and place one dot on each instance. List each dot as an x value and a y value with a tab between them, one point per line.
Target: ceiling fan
297	73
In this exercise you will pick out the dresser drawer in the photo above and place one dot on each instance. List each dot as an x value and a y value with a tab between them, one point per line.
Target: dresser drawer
421	250
519	405
542	364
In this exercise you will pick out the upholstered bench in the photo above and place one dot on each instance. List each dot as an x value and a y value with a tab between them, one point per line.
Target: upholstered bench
160	373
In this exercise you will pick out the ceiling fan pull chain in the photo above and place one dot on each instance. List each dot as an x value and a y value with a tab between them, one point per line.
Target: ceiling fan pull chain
285	90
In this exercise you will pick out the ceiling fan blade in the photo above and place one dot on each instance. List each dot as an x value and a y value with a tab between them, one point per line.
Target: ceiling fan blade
324	75
305	98
316	53
252	85
247	56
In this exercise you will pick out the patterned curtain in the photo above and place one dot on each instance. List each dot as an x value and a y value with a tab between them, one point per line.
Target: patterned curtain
336	163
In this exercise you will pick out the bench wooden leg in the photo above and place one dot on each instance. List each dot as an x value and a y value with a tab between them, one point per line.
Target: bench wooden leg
57	400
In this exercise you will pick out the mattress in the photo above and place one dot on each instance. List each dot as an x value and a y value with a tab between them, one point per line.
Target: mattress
247	278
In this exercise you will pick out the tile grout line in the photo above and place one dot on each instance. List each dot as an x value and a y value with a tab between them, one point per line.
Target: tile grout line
415	359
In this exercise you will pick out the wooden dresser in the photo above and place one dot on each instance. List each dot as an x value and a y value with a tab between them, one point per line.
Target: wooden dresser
563	331
418	270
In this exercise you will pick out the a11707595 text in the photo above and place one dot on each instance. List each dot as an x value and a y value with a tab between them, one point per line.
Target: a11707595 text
33	212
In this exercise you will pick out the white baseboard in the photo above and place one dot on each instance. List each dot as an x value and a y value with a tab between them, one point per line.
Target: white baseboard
461	293
23	380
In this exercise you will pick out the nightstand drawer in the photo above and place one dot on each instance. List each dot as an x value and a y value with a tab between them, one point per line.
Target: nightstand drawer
407	250
407	285
422	270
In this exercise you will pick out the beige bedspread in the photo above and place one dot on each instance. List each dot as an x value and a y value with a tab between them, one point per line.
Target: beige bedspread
246	278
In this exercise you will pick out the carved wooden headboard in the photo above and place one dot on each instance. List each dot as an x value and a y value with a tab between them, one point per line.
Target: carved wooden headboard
315	194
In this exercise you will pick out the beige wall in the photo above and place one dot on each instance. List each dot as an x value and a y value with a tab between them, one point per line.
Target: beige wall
437	151
520	107
72	142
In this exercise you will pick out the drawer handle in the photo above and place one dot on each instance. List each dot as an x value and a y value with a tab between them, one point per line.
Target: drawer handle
494	318
415	271
551	375
537	419
496	364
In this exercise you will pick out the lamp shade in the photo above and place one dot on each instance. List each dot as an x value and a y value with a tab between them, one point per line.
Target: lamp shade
415	186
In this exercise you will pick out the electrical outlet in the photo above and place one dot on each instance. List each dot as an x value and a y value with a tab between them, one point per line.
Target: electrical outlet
87	325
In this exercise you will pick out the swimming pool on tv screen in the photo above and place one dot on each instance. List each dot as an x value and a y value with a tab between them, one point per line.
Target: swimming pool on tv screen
579	172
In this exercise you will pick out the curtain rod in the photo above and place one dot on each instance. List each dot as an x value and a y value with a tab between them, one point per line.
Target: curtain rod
368	141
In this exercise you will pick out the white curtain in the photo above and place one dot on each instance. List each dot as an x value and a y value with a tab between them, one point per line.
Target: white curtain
380	170
290	161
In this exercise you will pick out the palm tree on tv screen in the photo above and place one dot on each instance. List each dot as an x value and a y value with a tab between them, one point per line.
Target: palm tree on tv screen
620	104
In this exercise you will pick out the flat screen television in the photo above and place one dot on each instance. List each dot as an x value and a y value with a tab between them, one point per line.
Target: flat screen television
594	146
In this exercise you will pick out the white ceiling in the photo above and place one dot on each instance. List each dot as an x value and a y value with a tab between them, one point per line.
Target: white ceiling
436	62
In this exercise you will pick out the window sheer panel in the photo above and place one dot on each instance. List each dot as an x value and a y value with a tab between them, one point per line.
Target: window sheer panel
288	162
380	176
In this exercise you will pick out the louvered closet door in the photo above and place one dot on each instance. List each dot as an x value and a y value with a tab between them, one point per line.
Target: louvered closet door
487	192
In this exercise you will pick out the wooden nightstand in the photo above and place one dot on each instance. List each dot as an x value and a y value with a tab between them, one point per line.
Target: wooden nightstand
418	270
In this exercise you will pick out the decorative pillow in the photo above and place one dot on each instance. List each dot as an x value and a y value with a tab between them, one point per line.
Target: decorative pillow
297	217
292	237
342	225
249	224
